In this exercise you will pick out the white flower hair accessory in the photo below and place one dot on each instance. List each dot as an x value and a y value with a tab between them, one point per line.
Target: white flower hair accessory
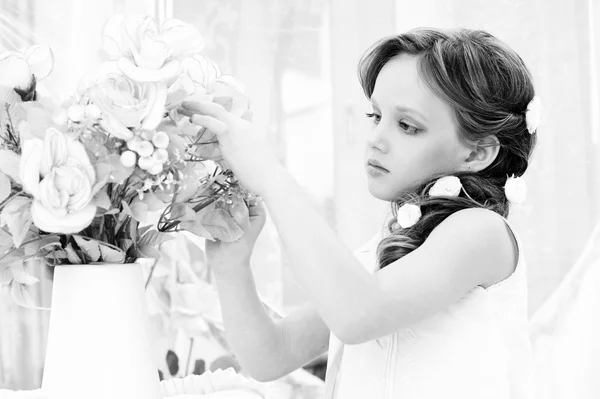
515	189
408	215
447	186
533	115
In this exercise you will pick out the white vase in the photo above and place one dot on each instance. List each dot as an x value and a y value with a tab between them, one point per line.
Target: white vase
99	344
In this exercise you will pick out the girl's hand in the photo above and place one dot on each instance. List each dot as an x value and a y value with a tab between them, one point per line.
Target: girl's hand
247	154
229	256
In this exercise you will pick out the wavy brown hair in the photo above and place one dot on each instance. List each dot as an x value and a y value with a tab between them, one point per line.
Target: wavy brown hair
489	87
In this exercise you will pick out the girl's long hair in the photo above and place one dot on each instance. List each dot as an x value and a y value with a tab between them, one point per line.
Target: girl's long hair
489	87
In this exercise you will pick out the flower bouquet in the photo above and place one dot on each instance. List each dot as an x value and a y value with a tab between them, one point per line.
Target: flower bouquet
80	181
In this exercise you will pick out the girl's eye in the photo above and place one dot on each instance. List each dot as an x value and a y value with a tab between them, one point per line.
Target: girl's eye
408	128
376	118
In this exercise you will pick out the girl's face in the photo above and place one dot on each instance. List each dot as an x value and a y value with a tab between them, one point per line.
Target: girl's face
414	134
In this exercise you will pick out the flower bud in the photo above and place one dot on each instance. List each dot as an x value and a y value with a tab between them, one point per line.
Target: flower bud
145	148
160	156
134	143
145	162
160	140
155	169
128	159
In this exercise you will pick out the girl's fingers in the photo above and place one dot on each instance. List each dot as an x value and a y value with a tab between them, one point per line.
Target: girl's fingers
206	108
214	125
257	209
185	112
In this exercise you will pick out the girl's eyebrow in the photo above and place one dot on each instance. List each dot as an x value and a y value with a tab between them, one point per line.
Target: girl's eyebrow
411	111
405	109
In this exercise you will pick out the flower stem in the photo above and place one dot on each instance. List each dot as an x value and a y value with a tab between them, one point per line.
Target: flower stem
187	367
150	275
6	201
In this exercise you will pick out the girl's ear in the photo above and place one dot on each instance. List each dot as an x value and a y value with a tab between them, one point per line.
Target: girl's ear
483	153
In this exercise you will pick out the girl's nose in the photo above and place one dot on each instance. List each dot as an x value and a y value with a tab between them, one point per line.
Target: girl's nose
377	141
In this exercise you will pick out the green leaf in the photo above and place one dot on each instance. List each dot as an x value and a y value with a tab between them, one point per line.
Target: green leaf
33	247
101	200
89	246
5	188
138	210
111	254
5	241
220	224
152	202
142	230
208	148
17	216
154	238
125	244
195	227
73	256
148	251
9	165
182	212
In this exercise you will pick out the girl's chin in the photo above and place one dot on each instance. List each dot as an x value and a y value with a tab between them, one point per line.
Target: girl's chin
381	192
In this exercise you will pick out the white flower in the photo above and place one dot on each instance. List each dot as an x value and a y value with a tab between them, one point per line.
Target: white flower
515	189
408	215
533	115
17	68
147	53
59	175
203	81
76	113
447	186
92	111
123	103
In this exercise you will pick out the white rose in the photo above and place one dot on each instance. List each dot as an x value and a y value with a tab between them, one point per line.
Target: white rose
146	53
58	174
408	215
447	186
123	103
207	83
515	190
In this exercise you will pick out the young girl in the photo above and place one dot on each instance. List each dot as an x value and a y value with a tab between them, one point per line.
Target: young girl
438	309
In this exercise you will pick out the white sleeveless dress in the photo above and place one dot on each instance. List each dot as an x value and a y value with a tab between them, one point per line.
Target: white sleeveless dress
478	348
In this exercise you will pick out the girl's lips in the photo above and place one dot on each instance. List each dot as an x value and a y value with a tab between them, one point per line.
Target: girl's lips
376	164
376	171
